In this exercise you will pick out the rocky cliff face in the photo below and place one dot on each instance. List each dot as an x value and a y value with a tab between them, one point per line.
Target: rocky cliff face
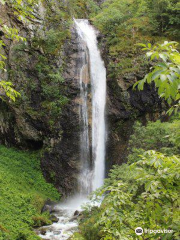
45	71
125	106
47	114
61	161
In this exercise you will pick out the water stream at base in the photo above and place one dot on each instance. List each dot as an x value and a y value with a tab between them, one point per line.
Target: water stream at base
93	72
67	222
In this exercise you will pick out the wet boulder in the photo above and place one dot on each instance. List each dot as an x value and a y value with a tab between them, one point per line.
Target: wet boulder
54	219
49	206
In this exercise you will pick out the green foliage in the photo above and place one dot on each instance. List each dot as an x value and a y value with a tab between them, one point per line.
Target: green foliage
58	18
52	88
41	220
82	8
52	41
44	57
10	92
125	23
147	16
23	193
12	33
165	73
145	193
22	9
142	193
165	16
77	236
2	57
163	137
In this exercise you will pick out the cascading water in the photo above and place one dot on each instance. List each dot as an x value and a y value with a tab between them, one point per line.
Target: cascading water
98	90
92	117
85	177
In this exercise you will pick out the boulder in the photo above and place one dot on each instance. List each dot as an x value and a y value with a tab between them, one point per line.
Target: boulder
54	219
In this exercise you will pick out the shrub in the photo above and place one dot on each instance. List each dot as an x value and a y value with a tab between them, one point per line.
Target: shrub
143	194
163	137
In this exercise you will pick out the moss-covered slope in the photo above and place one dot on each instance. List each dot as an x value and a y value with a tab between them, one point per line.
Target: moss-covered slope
23	191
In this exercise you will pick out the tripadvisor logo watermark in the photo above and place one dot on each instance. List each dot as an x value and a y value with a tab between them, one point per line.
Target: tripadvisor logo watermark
139	231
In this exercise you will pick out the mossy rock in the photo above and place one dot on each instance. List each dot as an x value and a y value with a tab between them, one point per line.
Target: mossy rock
40	221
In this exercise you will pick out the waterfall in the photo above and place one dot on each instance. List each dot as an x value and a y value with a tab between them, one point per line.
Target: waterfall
92	84
88	35
85	176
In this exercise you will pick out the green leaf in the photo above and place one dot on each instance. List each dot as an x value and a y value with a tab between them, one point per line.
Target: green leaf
163	56
141	44
156	74
2	2
163	77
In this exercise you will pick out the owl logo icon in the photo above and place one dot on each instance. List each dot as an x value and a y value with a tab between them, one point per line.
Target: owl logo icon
139	231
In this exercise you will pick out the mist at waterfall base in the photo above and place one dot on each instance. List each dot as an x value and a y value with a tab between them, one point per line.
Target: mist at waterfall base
91	176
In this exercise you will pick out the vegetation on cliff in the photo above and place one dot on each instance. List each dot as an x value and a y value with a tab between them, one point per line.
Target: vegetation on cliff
22	10
23	194
128	22
161	137
142	193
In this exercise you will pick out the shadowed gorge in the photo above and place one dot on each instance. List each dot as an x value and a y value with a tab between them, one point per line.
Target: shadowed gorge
89	108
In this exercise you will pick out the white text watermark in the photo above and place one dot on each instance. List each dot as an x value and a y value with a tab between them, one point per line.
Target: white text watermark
140	231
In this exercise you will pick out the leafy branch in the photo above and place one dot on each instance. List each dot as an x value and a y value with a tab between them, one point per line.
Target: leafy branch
7	88
165	73
23	10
